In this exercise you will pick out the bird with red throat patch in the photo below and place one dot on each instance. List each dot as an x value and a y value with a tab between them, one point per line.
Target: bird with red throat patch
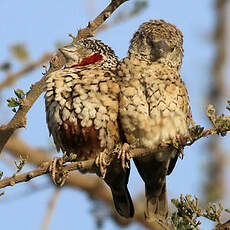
82	113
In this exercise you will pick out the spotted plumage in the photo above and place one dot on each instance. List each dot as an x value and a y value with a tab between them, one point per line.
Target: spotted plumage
154	105
82	110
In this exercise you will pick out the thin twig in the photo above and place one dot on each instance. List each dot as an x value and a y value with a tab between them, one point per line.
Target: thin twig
124	15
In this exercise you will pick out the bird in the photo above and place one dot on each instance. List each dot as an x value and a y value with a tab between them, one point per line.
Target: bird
154	107
81	103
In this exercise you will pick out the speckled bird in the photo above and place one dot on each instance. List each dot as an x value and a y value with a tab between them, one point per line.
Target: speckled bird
82	110
154	106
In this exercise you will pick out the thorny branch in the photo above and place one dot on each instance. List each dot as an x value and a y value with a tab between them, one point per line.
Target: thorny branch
124	15
56	62
189	212
89	31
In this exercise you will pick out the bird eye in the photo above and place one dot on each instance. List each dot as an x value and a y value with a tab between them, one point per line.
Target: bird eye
141	37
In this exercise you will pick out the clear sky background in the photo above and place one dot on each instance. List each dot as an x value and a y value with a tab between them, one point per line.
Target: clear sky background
40	24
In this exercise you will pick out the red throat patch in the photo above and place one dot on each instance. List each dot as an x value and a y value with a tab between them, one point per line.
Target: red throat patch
89	60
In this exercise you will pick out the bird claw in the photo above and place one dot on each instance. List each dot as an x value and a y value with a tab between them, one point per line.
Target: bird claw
56	171
181	142
124	155
101	163
181	154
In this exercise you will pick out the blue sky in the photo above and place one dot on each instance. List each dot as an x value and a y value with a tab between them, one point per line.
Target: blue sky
40	24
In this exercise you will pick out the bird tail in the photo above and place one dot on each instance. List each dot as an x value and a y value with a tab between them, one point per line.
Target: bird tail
156	206
154	173
117	179
123	202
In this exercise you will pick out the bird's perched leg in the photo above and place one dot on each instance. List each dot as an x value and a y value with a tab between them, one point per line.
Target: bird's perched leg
101	163
56	171
124	155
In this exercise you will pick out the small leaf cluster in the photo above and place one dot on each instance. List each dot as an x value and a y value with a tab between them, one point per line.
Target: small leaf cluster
196	131
15	102
220	122
188	211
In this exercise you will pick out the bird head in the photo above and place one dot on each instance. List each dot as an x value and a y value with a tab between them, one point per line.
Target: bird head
89	52
158	41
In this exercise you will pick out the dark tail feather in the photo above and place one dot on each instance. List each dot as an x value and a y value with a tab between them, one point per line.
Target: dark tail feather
154	173
156	205
123	202
117	179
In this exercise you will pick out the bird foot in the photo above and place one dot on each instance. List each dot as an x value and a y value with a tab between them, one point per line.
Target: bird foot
182	143
56	171
101	163
124	155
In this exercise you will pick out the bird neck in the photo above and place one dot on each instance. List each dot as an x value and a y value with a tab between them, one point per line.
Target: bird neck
162	61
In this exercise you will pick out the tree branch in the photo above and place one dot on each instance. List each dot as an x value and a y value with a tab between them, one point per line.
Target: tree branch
221	125
89	31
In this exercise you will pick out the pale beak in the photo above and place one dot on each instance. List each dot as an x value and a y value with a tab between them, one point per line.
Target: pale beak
67	51
70	54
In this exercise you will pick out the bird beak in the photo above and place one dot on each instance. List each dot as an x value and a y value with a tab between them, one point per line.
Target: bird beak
159	49
67	50
70	53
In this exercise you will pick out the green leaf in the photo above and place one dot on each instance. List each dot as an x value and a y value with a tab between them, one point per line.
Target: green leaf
13	102
20	93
